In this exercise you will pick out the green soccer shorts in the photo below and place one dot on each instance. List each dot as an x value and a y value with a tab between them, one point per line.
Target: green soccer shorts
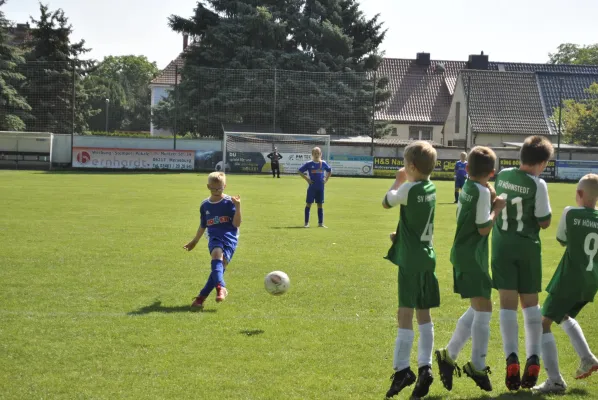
474	283
557	308
418	289
517	266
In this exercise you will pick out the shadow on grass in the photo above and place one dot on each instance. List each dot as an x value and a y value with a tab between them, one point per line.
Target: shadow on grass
157	307
528	394
251	332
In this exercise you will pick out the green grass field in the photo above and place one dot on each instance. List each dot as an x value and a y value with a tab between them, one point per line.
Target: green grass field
95	291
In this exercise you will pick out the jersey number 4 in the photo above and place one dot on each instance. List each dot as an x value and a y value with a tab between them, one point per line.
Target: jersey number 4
429	229
590	246
517	202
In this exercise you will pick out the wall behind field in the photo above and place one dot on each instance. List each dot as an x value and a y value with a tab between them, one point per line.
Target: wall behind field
62	148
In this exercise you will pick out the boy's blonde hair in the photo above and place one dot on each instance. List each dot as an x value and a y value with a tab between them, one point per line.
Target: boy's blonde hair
589	184
217	177
422	156
316	150
463	155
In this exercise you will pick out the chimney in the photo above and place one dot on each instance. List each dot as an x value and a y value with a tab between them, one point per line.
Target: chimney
478	61
423	59
185	41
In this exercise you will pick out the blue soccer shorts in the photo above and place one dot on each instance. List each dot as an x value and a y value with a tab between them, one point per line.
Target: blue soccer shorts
228	249
459	182
314	195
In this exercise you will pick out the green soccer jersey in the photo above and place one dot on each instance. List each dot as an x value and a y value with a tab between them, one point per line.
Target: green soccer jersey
470	249
527	204
576	277
412	249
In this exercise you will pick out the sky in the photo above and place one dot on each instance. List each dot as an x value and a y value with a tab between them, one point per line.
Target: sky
506	30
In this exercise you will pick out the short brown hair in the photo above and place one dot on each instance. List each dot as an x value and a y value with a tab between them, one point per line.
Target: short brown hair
422	155
536	150
481	161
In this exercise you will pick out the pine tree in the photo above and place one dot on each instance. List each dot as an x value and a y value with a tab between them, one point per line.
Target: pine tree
13	106
54	75
315	57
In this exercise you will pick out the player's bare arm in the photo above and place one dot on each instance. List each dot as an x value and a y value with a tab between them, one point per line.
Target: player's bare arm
497	205
301	174
237	217
191	245
545	224
327	177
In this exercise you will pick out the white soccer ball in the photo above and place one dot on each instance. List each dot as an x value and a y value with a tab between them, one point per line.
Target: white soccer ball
277	283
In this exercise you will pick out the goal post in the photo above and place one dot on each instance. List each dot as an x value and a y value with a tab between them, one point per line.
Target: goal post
26	148
248	151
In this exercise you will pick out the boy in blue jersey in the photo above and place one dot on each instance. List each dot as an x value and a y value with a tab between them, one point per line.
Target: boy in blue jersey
221	216
319	173
460	175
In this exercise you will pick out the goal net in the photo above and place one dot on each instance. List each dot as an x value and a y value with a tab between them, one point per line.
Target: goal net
248	152
26	149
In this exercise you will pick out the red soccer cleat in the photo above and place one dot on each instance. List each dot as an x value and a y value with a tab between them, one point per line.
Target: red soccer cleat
197	304
222	293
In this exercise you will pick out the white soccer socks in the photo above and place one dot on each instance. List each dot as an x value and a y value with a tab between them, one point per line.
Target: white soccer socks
509	329
461	335
403	346
480	335
578	340
425	344
532	317
551	357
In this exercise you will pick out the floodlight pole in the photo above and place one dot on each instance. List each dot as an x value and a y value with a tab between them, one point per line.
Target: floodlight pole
107	107
274	106
176	103
372	150
467	114
558	146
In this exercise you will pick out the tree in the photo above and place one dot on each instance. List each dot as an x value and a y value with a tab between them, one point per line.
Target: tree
314	58
580	119
569	53
13	106
54	76
124	80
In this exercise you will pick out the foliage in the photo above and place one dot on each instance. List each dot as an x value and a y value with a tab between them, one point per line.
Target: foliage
569	53
323	52
124	80
54	76
580	118
13	106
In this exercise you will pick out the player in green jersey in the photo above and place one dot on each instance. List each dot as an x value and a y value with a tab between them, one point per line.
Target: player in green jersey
476	213
573	285
517	258
413	252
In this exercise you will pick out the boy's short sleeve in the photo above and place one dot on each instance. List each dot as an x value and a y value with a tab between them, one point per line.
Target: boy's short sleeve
482	212
400	196
561	231
542	210
304	168
327	167
232	208
202	216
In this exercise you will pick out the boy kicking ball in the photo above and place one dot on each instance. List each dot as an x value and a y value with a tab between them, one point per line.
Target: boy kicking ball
573	285
221	216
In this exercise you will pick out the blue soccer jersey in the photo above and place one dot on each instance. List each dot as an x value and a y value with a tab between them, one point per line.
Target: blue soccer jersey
317	172
460	172
217	218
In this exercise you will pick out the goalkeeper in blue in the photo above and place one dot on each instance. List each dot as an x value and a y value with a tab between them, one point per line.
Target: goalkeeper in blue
476	213
319	172
460	175
220	215
573	286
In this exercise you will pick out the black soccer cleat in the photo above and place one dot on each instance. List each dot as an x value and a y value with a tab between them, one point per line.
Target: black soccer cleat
447	367
513	378
400	380
531	372
481	378
424	381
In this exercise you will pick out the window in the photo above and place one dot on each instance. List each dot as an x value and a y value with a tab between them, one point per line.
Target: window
420	133
393	132
457	117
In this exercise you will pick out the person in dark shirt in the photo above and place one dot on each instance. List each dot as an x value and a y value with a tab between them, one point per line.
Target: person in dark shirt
274	157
